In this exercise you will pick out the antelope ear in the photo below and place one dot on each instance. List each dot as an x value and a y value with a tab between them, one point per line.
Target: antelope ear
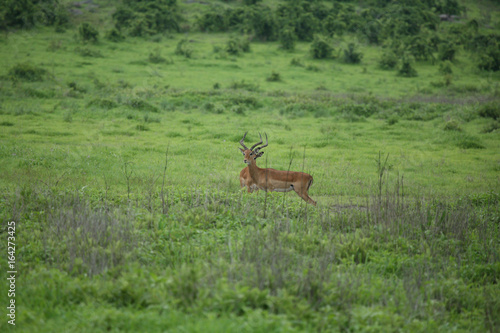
260	154
242	151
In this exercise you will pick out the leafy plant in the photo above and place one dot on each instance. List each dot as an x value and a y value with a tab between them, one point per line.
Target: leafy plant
88	33
321	47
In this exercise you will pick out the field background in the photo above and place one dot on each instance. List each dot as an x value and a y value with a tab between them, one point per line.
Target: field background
120	165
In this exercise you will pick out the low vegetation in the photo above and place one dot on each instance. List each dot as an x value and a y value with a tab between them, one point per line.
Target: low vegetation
120	163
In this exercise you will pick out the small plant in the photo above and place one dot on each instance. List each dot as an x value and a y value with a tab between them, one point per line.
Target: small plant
445	67
296	62
491	127
406	69
235	46
321	47
184	49
312	68
452	125
27	72
447	51
392	120
490	110
287	39
88	33
388	60
155	57
216	85
274	77
114	35
88	52
352	55
141	127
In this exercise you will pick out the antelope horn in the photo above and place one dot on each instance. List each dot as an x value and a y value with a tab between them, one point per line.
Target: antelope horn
241	141
255	145
264	146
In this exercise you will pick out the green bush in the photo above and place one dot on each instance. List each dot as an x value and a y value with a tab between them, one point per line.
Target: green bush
88	33
274	77
115	35
489	58
452	125
352	55
147	17
321	47
287	39
490	110
447	51
27	72
28	13
406	69
388	60
184	49
235	45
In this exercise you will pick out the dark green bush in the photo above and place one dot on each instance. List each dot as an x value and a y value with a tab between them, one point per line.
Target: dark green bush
490	110
321	47
274	77
406	69
115	35
235	45
352	55
27	72
102	103
184	49
28	13
489	58
147	17
388	60
452	125
287	39
142	105
447	51
88	33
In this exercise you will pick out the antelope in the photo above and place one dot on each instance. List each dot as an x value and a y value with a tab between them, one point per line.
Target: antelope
269	179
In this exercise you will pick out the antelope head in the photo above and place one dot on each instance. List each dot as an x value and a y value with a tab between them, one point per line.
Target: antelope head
250	154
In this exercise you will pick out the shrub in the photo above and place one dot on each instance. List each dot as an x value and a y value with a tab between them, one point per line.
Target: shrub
147	17
28	13
489	58
156	58
321	47
406	69
114	35
445	67
447	51
88	33
388	60
351	55
184	49
27	72
296	62
274	77
490	110
102	103
452	125
236	45
491	127
468	142
287	39
142	105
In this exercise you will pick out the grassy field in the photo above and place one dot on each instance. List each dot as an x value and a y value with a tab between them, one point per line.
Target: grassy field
120	168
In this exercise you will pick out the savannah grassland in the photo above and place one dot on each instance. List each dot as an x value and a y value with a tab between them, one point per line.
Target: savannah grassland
119	165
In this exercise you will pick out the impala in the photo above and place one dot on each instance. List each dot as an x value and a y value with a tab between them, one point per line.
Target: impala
268	179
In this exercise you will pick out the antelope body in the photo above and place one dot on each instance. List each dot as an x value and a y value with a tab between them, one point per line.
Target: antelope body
268	179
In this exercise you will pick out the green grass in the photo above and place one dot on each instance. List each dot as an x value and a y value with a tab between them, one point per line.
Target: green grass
121	174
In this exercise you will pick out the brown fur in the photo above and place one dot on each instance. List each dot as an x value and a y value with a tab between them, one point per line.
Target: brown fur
275	180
